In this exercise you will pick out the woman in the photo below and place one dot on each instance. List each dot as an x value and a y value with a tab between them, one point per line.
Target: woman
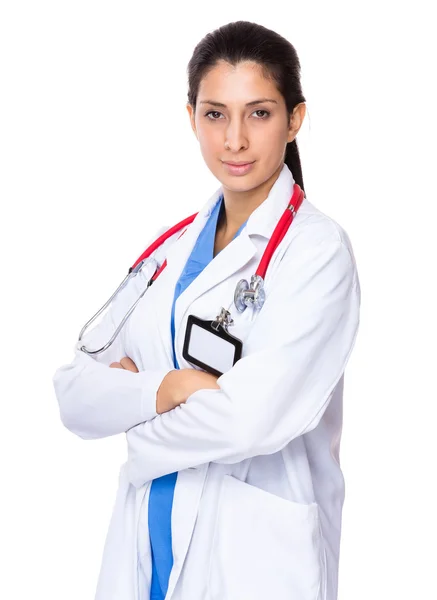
232	489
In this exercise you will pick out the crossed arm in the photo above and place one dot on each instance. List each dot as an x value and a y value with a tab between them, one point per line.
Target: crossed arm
96	402
296	354
176	386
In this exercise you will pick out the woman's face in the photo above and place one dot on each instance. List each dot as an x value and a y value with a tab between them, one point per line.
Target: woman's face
242	117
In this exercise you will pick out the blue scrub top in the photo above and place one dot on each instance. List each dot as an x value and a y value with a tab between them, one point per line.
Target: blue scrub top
162	489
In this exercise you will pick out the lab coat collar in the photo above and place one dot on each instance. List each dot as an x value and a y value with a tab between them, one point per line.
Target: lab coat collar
264	218
262	221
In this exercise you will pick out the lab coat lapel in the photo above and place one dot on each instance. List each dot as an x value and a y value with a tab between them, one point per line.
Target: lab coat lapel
177	255
231	259
238	252
186	502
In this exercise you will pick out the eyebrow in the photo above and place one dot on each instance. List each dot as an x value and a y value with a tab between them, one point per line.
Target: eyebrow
213	103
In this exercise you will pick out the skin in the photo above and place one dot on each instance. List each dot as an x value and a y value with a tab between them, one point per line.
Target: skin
176	386
229	130
236	132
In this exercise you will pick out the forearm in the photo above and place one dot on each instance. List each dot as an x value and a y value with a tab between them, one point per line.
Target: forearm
202	430
96	401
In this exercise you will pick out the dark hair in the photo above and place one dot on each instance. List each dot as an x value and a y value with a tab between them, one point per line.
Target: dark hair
245	41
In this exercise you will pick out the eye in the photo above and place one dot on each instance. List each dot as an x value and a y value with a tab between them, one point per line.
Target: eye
213	112
262	111
216	112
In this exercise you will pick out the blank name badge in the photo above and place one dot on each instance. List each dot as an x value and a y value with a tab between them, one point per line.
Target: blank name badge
214	350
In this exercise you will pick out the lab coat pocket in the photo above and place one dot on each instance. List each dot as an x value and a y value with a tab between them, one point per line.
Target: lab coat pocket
264	546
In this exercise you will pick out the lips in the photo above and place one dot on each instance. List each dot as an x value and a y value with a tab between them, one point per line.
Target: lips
238	169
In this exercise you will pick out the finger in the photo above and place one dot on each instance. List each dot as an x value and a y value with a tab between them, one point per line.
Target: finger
128	364
115	365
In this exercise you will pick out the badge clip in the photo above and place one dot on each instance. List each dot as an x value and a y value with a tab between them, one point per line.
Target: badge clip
223	319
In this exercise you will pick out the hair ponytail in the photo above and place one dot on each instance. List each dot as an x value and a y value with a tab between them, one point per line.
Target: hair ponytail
292	160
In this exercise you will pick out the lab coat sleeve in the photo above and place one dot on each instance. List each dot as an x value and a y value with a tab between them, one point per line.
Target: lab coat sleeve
296	353
96	401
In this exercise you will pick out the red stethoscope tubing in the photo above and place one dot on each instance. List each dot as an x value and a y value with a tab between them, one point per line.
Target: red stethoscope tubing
277	236
281	229
158	242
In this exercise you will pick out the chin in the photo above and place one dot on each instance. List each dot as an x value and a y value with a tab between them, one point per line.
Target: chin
240	184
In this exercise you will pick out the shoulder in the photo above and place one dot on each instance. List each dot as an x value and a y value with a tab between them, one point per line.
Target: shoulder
160	252
314	230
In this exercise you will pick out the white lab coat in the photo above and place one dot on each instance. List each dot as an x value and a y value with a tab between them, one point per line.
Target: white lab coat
259	494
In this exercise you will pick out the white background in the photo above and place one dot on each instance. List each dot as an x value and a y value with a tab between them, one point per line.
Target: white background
97	153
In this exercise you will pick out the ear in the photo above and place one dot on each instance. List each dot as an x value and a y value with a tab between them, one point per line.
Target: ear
296	120
192	118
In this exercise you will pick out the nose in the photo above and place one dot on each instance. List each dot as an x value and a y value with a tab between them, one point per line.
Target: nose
236	138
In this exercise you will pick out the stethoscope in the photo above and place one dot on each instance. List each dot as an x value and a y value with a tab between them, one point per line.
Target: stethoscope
245	294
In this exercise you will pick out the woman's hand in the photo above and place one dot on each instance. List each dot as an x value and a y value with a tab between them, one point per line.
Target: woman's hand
125	363
179	384
176	386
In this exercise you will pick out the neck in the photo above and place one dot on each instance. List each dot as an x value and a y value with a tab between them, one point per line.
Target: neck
238	206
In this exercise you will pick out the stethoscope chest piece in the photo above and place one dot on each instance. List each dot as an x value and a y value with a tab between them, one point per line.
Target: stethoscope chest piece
254	295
